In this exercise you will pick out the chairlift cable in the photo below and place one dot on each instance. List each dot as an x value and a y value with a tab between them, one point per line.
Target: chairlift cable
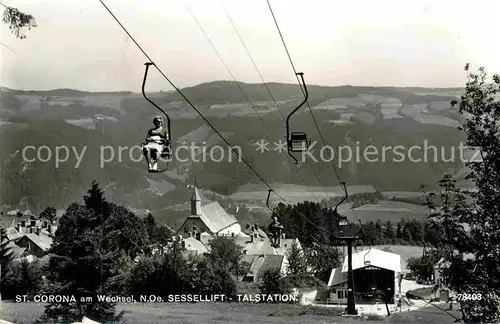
270	94
252	60
301	88
238	84
205	119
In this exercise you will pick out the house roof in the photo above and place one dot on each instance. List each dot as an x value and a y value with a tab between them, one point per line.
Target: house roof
42	241
17	251
192	244
375	257
12	233
263	245
258	264
337	277
215	217
258	231
271	262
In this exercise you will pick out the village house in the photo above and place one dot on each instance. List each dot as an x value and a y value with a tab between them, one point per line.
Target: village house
208	219
31	237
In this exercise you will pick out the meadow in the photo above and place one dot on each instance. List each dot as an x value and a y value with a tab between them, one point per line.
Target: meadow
241	313
386	210
295	193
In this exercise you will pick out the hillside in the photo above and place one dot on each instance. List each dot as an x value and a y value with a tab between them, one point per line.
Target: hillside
350	117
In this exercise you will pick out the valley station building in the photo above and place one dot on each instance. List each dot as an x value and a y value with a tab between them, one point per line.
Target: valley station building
376	274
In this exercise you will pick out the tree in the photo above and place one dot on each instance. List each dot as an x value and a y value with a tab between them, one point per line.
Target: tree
84	264
25	278
322	259
273	282
48	213
18	21
296	260
389	232
225	254
211	278
480	210
150	224
6	256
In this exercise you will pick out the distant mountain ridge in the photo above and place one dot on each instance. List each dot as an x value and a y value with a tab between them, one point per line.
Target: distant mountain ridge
217	83
372	115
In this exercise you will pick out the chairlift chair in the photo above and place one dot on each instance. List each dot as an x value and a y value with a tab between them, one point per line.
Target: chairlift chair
340	219
297	142
166	151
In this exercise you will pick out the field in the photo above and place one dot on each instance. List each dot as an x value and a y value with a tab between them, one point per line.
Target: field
294	193
386	210
215	313
401	194
420	114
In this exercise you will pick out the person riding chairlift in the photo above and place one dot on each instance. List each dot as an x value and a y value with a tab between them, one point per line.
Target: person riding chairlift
157	144
275	229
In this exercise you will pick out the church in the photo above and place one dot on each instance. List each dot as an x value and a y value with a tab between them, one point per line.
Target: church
208	219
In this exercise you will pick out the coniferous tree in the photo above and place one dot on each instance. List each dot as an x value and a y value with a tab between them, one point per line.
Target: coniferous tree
6	256
81	267
297	263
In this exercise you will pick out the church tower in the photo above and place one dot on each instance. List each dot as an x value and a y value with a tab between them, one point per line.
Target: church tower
195	202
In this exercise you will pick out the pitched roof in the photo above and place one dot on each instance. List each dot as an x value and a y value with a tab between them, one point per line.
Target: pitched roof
192	244
215	217
258	264
13	233
271	262
17	251
337	277
258	231
263	245
42	241
376	258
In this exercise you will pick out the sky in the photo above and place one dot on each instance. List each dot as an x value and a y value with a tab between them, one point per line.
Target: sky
78	45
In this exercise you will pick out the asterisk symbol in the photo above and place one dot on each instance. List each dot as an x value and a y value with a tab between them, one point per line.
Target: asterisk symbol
280	146
262	146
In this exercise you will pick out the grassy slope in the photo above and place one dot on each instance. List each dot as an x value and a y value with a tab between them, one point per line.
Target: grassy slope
230	313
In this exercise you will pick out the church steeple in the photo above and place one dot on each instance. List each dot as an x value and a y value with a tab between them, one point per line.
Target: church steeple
195	201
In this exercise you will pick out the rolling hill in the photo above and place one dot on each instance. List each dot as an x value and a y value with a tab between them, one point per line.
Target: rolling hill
375	116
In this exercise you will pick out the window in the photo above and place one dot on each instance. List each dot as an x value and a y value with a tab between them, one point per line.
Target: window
194	228
185	230
341	294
